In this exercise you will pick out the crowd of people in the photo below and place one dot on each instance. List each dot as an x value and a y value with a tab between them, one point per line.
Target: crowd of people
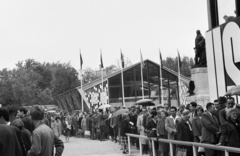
217	124
28	135
36	132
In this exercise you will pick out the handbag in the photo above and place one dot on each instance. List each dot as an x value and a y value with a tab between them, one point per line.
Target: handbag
181	151
152	134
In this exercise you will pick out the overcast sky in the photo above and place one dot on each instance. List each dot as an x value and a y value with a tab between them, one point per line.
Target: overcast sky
55	30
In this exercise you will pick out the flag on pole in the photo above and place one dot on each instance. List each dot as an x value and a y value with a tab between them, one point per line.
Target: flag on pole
81	61
179	60
161	64
142	62
101	65
122	59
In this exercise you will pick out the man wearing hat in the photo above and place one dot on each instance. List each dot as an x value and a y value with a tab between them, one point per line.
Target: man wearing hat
184	131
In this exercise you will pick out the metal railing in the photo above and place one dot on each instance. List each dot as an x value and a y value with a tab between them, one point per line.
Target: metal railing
194	145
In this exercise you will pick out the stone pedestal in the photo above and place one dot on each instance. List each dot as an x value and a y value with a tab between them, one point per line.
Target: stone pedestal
200	77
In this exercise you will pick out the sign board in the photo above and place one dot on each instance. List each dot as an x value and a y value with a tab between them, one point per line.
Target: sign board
223	58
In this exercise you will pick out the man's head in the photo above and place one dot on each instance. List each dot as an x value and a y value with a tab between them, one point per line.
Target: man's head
186	115
216	104
4	116
230	102
210	107
222	102
193	106
37	113
198	32
21	112
144	110
133	109
173	111
181	108
18	123
165	106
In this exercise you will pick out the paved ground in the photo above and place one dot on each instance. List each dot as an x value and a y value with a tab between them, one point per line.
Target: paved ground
87	147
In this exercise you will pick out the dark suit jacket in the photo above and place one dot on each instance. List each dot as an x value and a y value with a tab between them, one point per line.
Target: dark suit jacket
210	127
183	131
145	116
151	125
230	135
222	116
9	145
197	128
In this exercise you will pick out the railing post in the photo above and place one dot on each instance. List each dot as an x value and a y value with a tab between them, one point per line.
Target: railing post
153	147
171	149
194	150
140	146
129	147
226	153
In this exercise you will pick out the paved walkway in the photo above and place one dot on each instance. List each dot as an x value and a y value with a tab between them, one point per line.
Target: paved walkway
87	147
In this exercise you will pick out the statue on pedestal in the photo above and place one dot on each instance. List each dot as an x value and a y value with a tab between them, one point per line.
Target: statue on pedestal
200	50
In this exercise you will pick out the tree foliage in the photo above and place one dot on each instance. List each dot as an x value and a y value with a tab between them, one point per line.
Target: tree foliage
32	82
172	63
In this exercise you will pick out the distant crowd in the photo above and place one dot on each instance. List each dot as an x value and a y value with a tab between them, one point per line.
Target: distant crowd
217	124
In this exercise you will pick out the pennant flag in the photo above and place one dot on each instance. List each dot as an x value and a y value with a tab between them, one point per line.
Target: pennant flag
142	62
101	65
179	60
122	59
81	61
161	64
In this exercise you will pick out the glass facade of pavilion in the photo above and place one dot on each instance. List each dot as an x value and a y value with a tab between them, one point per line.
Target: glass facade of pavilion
111	92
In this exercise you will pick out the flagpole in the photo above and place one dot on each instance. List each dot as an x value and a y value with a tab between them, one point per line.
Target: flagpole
142	74
81	80
161	77
179	79
101	69
123	96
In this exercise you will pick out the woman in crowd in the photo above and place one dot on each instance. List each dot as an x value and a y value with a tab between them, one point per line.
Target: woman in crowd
141	131
125	128
66	129
57	129
162	133
197	128
231	131
151	129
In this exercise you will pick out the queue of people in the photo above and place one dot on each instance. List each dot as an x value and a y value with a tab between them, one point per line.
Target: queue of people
217	124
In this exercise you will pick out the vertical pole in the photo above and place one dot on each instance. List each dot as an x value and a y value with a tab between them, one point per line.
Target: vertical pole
129	146
123	96
153	147
171	149
140	146
82	94
161	83
179	82
194	150
226	153
149	89
142	81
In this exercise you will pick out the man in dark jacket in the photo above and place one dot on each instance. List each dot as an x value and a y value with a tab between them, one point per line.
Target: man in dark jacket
9	142
184	131
210	128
